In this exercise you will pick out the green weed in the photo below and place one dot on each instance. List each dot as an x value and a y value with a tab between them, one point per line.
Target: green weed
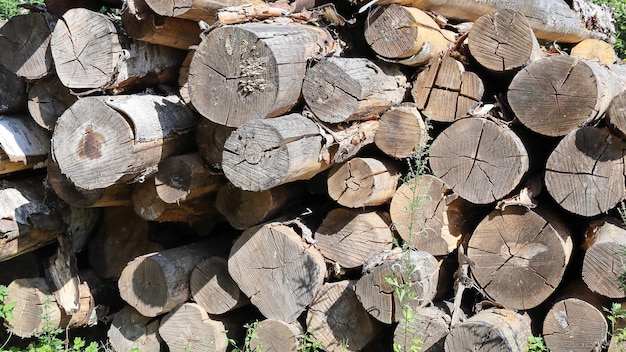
48	339
308	344
615	313
536	344
251	335
400	280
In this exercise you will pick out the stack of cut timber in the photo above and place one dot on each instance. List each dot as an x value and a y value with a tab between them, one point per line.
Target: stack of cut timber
358	174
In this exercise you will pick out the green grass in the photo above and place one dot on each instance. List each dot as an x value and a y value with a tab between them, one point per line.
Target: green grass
8	8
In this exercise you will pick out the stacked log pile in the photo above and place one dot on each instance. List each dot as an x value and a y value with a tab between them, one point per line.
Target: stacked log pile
179	170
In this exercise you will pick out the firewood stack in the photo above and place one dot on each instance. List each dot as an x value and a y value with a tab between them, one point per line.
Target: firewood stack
225	162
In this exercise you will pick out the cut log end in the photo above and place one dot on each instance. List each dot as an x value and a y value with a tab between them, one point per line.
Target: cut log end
602	269
519	256
555	95
25	42
79	62
288	151
363	182
574	325
275	335
350	237
417	269
401	131
338	321
130	330
480	160
144	286
213	288
445	92
342	89
81	146
422	216
399	32
30	296
491	330
281	284
189	328
584	173
239	73
503	41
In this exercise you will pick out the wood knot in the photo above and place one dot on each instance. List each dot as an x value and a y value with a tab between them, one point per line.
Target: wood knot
90	146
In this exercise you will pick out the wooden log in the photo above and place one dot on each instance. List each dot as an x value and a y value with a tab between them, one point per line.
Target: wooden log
479	160
402	130
280	283
25	40
249	71
184	177
48	98
276	336
337	319
158	282
574	325
121	137
189	328
595	49
81	225
61	272
406	35
519	250
340	89
259	163
605	240
506	331
130	330
616	115
102	58
183	80
551	20
445	92
36	308
213	289
107	258
557	94
30	217
430	325
141	23
244	209
415	270
149	206
196	10
584	172
503	41
265	153
23	144
349	238
13	92
428	216
116	195
361	182
210	138
254	12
